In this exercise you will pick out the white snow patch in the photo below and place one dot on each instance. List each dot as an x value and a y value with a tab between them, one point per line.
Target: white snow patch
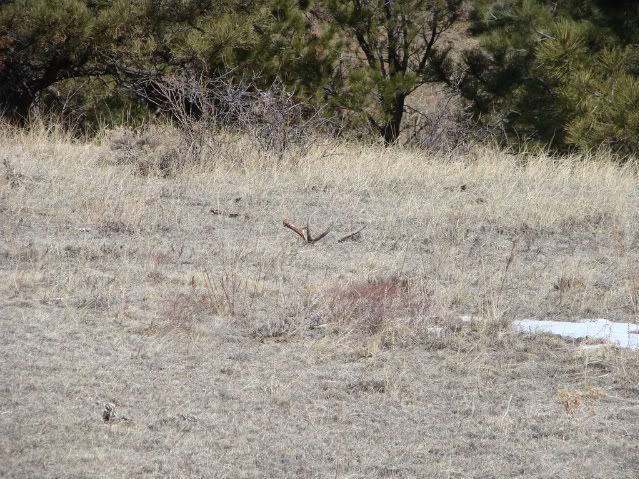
624	335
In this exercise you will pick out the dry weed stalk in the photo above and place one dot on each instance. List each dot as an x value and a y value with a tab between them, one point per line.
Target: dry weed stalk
502	284
221	293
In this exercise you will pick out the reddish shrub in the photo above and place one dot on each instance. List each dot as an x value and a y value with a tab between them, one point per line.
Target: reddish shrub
369	305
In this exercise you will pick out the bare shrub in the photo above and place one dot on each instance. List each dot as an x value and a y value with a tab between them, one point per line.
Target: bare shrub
279	122
217	295
387	308
182	309
273	118
222	291
188	102
370	304
151	151
442	128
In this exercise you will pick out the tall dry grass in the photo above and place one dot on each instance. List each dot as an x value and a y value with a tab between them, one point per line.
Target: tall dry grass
483	233
157	319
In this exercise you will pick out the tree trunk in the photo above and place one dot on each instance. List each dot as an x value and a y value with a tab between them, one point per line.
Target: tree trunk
391	129
15	104
20	84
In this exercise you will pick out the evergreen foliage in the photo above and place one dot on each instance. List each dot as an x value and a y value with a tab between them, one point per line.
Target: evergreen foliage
399	48
364	56
561	73
45	43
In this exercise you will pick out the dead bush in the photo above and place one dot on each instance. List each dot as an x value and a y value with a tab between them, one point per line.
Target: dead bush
217	295
386	308
273	118
183	308
442	128
152	151
371	304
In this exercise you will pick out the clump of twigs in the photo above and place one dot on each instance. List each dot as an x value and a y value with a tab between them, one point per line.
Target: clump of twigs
443	126
370	304
203	107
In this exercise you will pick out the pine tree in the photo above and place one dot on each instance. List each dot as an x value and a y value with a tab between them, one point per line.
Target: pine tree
365	56
51	42
44	42
561	73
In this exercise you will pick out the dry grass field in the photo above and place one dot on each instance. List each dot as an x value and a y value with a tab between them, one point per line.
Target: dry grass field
169	325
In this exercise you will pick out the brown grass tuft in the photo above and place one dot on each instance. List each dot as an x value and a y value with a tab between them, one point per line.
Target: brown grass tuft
368	306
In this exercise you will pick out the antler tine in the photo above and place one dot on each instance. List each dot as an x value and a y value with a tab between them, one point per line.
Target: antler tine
296	229
351	235
305	231
313	240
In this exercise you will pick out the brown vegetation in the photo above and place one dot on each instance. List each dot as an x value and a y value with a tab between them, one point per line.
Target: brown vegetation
160	324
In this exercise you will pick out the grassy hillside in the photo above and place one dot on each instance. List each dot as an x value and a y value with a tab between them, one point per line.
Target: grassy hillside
166	323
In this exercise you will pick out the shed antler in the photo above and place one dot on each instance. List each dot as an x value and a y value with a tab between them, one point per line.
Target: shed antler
304	232
300	231
352	236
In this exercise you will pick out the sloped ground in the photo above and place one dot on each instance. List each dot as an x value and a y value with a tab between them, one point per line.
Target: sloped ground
226	347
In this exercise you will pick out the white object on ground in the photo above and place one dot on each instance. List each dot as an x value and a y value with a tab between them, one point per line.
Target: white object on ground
624	335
